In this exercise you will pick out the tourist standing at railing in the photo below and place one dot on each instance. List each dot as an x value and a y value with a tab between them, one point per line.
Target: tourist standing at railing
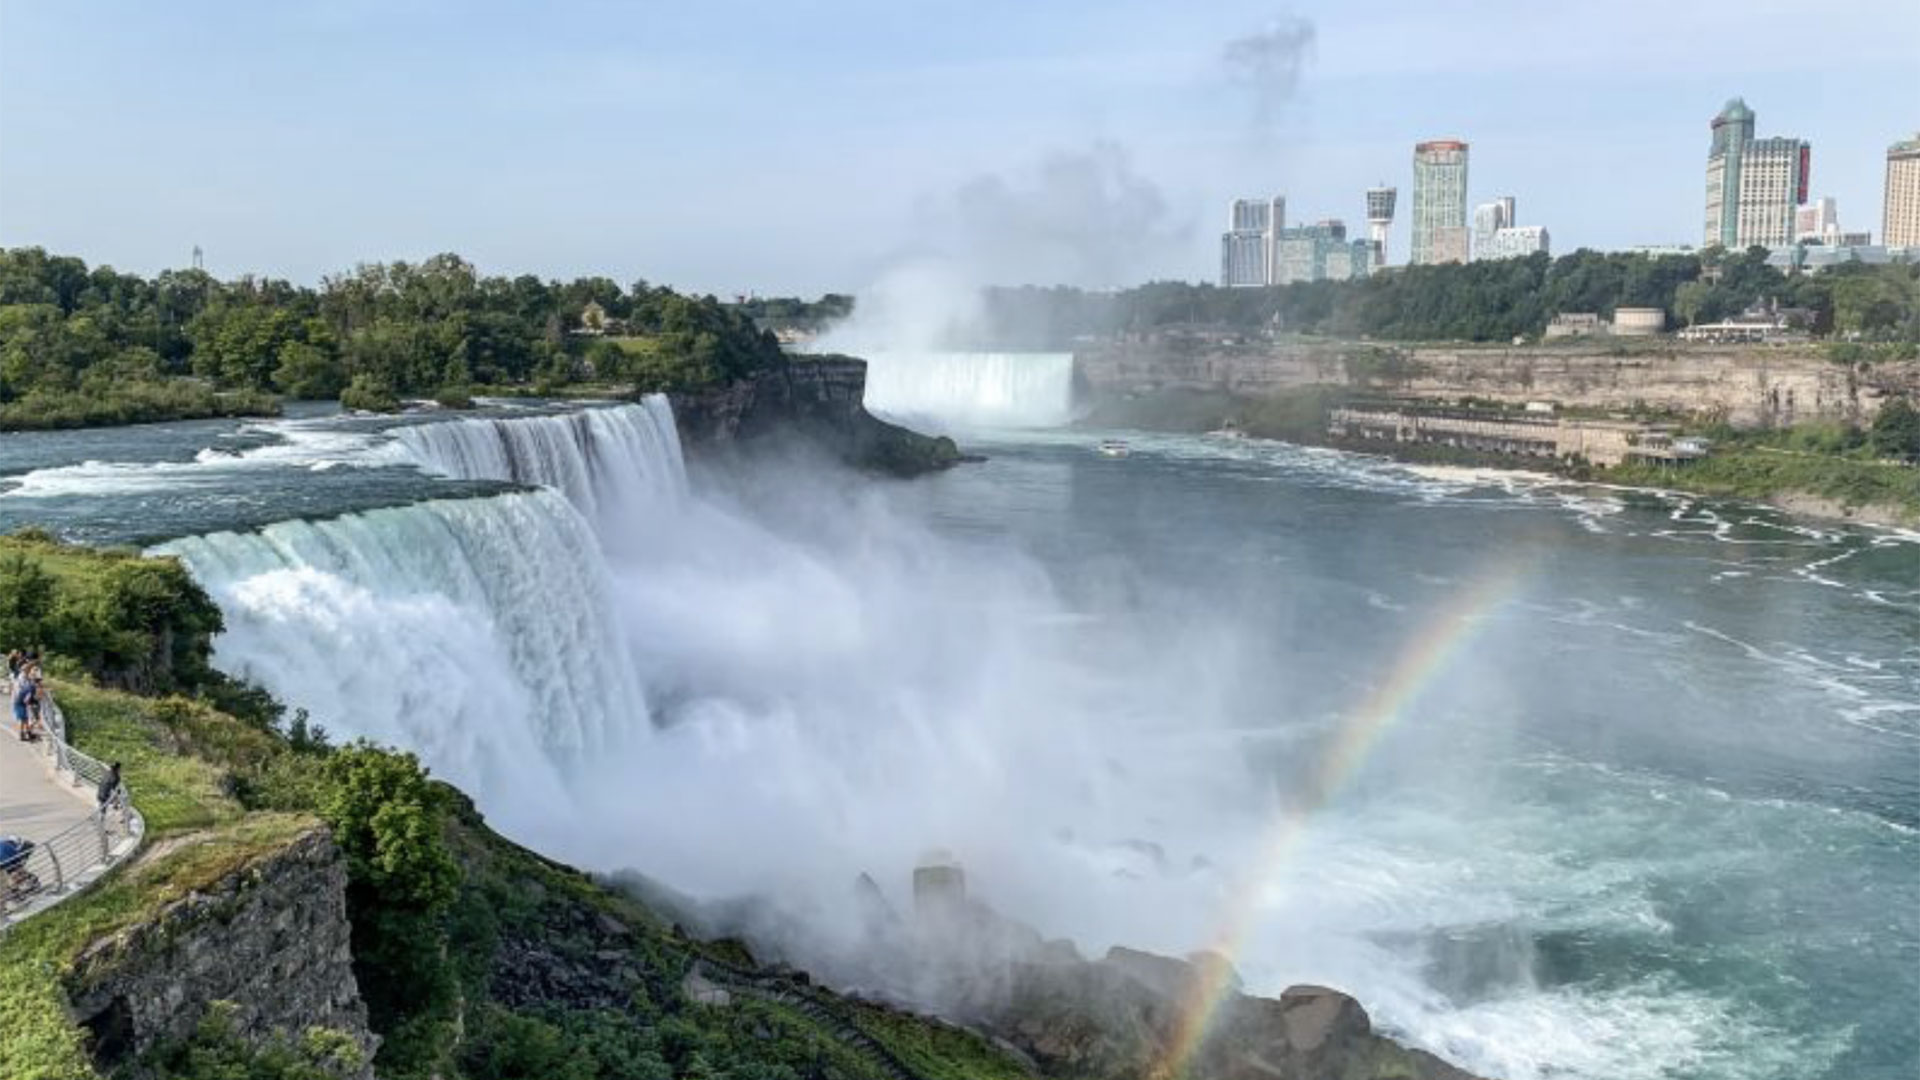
110	791
27	693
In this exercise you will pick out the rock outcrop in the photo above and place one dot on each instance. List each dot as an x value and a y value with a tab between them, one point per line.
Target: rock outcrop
814	400
1123	1016
272	939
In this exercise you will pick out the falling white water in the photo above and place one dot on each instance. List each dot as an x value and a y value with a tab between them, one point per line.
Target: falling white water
601	458
972	388
477	632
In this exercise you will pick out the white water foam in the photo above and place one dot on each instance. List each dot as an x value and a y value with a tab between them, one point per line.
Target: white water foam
626	456
476	632
972	388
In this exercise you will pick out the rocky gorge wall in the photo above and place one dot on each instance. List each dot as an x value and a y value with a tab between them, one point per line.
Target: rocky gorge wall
816	400
1749	386
271	939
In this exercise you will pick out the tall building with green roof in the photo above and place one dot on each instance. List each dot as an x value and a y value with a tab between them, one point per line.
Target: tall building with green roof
1753	185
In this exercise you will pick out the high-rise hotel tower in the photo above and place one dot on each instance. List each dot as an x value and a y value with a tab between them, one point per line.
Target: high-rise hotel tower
1753	185
1439	202
1900	227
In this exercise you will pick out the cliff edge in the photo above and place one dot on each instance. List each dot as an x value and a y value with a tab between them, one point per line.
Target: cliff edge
814	400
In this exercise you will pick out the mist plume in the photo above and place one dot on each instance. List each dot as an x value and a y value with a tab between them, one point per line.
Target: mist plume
1268	64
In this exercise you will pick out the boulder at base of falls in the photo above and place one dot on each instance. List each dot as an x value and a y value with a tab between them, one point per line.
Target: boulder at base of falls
1124	1014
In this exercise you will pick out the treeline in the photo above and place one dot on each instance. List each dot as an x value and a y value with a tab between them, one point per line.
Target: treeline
1481	301
92	345
793	313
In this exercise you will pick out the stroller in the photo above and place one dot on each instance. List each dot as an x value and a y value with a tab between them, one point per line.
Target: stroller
17	883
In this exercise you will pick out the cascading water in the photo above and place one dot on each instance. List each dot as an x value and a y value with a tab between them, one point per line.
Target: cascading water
601	458
771	688
980	388
476	632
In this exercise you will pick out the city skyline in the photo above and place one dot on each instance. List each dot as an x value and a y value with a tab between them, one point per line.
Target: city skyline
602	142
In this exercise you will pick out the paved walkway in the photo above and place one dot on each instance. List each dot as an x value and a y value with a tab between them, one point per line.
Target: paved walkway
73	844
32	803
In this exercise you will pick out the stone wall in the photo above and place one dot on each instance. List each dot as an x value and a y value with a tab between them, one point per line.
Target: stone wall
272	938
1747	385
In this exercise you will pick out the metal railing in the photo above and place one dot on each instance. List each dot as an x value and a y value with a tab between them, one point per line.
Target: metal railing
65	863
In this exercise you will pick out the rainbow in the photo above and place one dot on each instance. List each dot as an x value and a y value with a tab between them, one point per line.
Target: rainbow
1427	654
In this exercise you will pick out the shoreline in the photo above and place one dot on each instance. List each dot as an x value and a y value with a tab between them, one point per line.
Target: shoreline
1797	503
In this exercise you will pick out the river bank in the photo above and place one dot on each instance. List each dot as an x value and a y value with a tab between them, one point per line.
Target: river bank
1839	485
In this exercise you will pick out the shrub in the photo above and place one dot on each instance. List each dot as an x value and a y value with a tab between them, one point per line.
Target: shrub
368	394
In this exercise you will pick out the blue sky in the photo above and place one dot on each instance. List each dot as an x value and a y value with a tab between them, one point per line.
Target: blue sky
788	146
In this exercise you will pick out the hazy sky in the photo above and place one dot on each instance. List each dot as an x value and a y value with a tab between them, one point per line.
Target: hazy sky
783	146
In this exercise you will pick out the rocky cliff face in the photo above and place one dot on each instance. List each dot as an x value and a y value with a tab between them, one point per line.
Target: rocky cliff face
1746	385
272	939
816	400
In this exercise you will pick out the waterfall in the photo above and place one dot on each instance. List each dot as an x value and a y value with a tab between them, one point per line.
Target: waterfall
477	632
987	388
600	458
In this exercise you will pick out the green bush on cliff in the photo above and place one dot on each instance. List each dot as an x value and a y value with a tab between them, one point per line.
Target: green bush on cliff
217	1052
142	624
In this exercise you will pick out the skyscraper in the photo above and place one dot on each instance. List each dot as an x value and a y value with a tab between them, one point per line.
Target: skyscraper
1816	221
1753	185
1488	219
1247	250
1900	225
1439	202
1380	201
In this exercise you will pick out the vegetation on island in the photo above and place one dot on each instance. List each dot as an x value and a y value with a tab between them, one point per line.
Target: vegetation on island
83	346
1488	301
441	907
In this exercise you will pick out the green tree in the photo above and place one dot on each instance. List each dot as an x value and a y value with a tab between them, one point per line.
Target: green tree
308	372
27	595
1896	430
369	393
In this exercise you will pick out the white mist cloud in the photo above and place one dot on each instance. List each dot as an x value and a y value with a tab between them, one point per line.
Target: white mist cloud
1267	65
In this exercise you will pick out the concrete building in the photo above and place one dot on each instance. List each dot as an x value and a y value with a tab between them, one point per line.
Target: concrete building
1506	431
1518	242
1753	185
1900	221
1243	258
1490	218
1773	183
1320	252
1497	233
1439	202
1247	247
1816	221
1576	324
1249	215
1380	203
1639	321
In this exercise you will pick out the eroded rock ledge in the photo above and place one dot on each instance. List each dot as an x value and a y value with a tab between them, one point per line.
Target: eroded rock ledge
814	400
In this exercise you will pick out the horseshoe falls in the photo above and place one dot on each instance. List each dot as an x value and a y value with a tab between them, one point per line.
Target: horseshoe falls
992	389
